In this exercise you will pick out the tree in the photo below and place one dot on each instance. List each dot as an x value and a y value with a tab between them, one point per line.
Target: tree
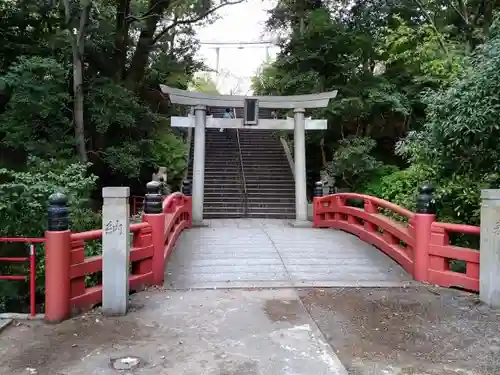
76	21
204	83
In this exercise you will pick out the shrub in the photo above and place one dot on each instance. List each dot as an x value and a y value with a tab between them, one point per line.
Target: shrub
352	162
23	212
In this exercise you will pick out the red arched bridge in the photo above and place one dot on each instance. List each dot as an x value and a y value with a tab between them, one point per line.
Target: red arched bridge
263	253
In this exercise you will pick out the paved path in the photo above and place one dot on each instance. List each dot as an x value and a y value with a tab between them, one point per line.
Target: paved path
416	330
179	333
269	253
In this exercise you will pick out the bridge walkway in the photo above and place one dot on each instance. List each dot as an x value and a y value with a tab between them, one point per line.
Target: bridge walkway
267	253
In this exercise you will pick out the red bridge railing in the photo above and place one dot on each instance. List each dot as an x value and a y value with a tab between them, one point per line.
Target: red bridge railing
417	242
30	259
72	279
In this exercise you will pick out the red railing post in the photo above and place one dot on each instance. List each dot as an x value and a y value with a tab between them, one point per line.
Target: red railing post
422	223
57	260
153	214
32	279
189	203
318	193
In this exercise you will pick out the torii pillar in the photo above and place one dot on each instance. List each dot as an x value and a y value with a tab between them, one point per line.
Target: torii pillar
199	121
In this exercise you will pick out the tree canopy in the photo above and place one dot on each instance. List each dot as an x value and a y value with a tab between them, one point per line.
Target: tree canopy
80	106
417	93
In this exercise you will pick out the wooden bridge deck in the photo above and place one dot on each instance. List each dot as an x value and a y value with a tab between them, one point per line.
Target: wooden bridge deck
256	253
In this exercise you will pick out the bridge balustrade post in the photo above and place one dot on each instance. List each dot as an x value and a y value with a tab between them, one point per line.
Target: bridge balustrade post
153	214
489	250
422	222
318	189
318	193
115	250
57	260
186	187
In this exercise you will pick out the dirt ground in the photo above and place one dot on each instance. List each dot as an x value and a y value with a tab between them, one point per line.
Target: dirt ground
373	331
407	331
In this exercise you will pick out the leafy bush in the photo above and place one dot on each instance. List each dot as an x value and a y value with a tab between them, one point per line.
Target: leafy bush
399	187
23	212
352	162
170	151
35	119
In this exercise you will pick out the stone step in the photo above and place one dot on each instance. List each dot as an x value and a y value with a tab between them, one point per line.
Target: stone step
222	175
223	215
228	200
235	189
278	179
269	198
264	154
212	164
258	145
223	209
264	171
261	146
270	204
265	163
271	193
271	185
227	183
268	174
257	156
271	215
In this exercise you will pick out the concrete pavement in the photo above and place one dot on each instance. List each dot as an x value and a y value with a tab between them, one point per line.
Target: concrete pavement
214	332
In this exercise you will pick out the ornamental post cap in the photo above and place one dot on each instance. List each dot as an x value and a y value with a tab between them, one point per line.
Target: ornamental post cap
58	199
153	187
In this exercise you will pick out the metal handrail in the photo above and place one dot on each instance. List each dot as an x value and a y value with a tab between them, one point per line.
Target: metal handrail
245	193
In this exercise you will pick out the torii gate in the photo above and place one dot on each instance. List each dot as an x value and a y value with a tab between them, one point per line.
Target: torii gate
251	104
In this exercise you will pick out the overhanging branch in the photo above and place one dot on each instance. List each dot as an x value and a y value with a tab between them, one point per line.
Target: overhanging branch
190	21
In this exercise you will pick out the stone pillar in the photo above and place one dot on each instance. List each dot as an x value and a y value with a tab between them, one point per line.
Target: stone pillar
299	141
115	250
489	261
198	185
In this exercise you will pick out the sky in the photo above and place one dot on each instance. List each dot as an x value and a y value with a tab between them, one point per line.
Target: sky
243	22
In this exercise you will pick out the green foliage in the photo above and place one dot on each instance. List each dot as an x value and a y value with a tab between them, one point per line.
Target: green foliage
431	59
23	212
170	151
411	77
204	83
462	127
352	161
125	126
35	118
399	187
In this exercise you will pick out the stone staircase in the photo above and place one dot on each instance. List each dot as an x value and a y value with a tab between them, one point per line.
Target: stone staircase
223	196
269	179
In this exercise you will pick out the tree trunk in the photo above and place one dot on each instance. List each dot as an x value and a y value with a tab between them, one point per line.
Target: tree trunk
78	99
145	44
78	49
121	38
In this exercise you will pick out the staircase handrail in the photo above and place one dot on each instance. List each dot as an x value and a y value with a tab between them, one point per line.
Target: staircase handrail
245	193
